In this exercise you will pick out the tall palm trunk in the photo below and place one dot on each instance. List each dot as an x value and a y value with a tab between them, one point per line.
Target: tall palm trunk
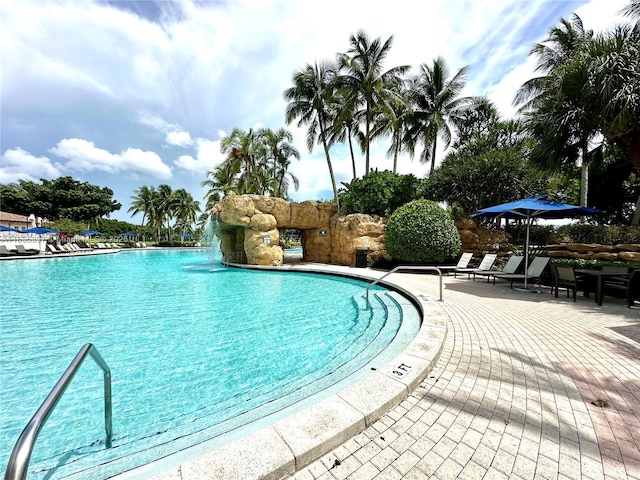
433	154
584	180
366	163
353	158
331	174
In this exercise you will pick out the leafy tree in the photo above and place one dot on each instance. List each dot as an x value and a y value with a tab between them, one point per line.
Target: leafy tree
63	197
421	232
367	87
379	193
310	102
489	165
435	100
614	174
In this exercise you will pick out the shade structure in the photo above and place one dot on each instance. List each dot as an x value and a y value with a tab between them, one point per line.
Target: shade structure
4	228
534	207
89	232
40	230
186	235
128	234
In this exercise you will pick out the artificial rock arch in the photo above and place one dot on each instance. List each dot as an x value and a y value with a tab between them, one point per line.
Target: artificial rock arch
249	230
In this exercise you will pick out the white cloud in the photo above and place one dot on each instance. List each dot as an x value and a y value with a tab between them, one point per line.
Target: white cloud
84	156
179	138
17	164
207	158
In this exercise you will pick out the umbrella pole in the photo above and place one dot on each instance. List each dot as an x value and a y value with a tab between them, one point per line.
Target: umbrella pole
526	253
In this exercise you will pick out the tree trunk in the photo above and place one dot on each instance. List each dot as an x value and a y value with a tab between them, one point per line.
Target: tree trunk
366	166
635	221
326	153
584	181
433	155
353	158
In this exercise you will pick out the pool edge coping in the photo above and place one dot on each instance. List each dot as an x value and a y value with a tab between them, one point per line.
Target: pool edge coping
288	445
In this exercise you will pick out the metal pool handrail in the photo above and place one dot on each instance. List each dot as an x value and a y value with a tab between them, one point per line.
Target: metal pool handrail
19	460
405	267
227	260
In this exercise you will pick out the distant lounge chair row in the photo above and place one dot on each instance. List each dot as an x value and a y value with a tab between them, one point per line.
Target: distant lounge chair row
508	272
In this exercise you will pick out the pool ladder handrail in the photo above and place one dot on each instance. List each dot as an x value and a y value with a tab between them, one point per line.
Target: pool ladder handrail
405	267
21	454
227	261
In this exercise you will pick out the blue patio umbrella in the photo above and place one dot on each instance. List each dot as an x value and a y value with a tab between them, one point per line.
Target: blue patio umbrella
4	228
186	235
40	230
128	234
89	232
534	207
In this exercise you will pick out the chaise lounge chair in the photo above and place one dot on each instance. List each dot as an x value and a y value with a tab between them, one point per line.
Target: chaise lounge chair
510	267
463	262
485	266
23	251
5	252
534	272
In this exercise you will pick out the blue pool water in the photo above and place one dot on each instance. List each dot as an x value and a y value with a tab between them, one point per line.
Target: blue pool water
195	349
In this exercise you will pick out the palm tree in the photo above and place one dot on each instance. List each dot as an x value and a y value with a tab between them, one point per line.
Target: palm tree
164	209
309	102
279	146
395	126
632	10
184	209
345	126
555	106
246	161
614	87
367	87
142	201
435	100
220	182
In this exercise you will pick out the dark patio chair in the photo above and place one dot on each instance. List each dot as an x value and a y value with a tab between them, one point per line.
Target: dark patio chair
631	287
565	277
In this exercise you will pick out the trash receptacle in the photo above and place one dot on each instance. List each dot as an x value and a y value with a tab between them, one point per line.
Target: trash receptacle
361	257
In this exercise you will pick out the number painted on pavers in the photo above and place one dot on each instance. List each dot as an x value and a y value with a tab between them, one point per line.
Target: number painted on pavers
401	370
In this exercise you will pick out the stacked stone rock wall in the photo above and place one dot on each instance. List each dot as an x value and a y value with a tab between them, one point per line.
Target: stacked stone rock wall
479	240
590	251
249	227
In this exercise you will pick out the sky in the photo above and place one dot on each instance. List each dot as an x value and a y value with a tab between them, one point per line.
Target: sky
123	94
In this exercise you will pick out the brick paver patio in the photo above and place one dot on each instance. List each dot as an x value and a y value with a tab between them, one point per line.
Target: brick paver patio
528	386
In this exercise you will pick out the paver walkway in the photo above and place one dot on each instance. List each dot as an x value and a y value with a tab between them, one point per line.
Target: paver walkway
528	386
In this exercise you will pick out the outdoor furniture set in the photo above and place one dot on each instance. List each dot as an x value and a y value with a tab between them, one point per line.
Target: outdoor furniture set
598	281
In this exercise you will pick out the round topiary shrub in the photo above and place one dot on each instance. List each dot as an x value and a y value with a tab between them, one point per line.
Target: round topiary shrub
421	232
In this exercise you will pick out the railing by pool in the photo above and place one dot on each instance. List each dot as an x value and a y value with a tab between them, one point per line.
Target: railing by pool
21	454
405	267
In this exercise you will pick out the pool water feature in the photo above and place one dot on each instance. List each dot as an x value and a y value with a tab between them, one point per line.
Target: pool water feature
196	350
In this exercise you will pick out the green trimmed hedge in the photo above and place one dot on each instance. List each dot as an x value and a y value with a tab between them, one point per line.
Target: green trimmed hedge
421	232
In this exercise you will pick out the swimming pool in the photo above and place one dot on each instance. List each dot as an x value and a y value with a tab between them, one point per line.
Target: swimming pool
195	349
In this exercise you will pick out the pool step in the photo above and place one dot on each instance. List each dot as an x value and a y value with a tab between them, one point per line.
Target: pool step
352	352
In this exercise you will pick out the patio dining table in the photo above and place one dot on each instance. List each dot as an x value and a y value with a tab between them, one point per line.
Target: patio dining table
599	275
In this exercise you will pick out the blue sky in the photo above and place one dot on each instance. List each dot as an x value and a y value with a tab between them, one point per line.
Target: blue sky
129	93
